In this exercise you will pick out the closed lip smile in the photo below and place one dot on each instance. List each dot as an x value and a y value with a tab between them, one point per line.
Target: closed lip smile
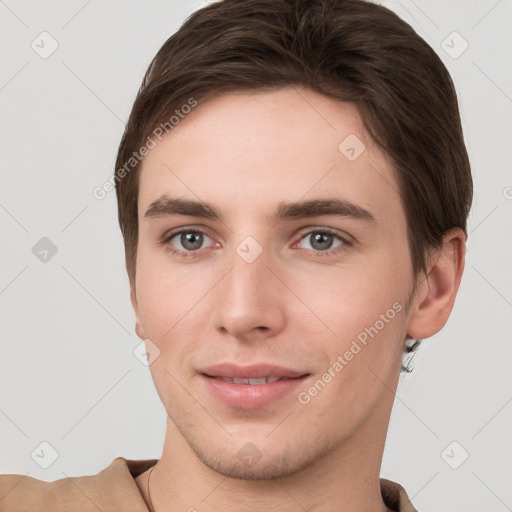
250	387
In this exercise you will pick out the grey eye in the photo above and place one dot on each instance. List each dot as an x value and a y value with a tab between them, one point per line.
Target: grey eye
190	240
320	240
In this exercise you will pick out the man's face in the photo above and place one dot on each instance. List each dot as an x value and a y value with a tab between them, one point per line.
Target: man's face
317	300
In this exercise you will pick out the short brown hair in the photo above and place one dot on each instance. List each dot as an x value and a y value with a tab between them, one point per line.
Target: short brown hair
350	50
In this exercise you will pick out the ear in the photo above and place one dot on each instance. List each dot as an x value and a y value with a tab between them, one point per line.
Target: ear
436	292
138	324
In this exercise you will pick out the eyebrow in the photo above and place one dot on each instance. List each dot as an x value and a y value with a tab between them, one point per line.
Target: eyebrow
166	206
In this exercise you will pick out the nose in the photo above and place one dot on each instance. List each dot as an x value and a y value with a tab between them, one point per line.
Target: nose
250	302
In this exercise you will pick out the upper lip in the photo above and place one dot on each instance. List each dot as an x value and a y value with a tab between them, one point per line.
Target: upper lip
254	371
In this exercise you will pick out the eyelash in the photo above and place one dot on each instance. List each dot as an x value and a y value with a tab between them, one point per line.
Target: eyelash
329	252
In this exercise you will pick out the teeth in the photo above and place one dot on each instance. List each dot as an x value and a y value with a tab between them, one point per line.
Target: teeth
252	382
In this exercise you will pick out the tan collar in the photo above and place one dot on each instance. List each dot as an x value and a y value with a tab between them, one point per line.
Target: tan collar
114	489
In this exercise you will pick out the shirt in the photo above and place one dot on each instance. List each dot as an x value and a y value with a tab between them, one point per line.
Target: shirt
114	490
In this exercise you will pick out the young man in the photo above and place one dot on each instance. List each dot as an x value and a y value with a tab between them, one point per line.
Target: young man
293	189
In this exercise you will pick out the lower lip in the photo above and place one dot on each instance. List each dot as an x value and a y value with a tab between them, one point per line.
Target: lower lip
247	396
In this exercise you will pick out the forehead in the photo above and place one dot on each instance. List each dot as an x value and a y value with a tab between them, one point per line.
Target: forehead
247	152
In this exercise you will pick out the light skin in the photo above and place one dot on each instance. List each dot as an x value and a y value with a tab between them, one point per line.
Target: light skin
300	304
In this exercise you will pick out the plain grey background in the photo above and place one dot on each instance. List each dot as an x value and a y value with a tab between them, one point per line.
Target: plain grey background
68	375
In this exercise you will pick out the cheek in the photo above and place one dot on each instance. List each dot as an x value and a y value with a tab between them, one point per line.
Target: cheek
349	298
366	313
160	300
171	298
364	310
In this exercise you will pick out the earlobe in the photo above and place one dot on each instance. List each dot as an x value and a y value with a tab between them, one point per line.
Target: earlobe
138	325
436	294
139	331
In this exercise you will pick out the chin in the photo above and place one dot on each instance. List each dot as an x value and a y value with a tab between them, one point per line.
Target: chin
268	463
